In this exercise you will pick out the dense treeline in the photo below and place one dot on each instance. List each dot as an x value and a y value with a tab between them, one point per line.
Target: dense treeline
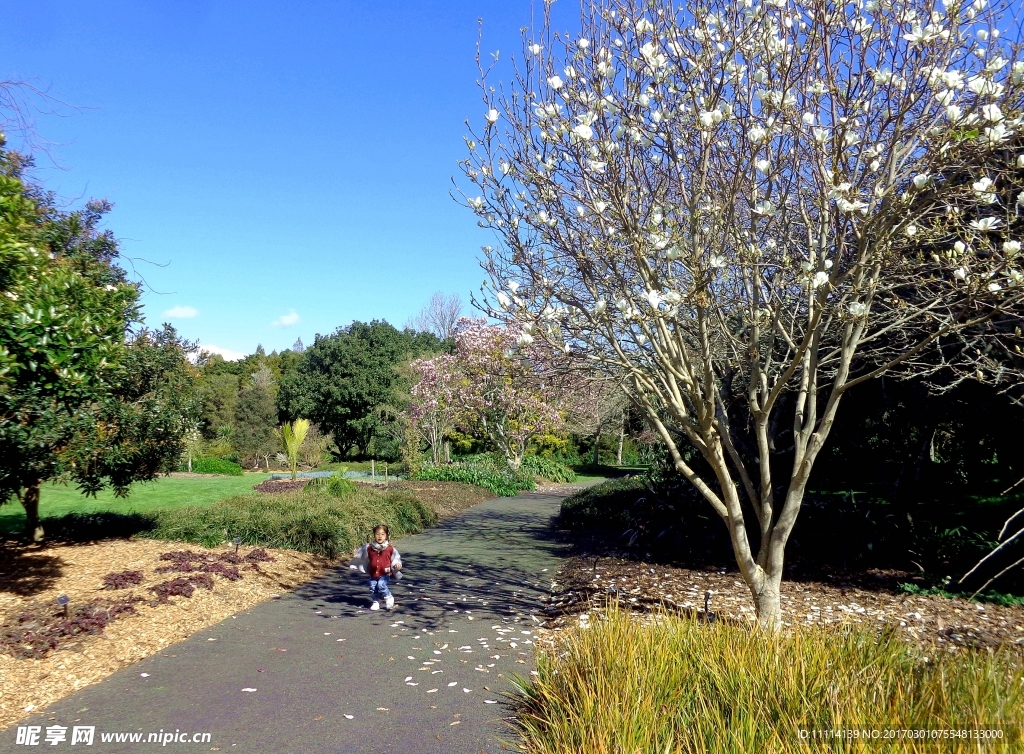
352	384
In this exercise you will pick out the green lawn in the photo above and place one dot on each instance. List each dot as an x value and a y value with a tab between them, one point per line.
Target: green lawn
165	492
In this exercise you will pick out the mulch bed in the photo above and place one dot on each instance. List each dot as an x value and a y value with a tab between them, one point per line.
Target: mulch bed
129	599
868	599
281	485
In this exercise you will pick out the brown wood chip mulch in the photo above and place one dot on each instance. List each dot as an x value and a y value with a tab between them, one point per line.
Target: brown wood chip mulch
872	600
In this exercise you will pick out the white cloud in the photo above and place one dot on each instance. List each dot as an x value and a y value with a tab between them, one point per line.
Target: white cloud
286	320
227	353
181	312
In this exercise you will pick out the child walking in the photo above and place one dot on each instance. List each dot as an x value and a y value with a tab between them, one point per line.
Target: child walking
380	560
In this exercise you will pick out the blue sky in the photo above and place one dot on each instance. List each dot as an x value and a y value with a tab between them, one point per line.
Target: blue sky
288	163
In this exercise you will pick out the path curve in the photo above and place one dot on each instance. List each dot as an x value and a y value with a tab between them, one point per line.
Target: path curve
316	655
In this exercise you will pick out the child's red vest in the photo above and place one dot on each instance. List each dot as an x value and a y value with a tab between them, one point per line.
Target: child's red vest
379	561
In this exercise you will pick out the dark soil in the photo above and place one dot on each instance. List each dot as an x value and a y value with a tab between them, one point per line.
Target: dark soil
281	485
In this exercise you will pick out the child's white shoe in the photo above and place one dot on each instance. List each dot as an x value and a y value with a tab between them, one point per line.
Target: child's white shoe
389	602
375	606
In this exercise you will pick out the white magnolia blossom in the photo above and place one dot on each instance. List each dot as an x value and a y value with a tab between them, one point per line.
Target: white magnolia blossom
849	207
858	309
983	189
986	223
492	116
555	82
535	49
583	131
991	113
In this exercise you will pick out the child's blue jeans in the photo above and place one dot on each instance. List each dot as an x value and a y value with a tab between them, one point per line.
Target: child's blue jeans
379	589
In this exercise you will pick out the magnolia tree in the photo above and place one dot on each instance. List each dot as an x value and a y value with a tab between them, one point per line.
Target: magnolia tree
494	385
437	400
743	210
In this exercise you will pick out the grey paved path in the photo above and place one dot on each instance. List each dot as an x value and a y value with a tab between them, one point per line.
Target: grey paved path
462	621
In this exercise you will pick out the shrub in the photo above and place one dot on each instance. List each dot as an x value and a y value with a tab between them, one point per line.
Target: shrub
548	468
315	522
212	465
122	580
603	506
502	482
336	485
676	685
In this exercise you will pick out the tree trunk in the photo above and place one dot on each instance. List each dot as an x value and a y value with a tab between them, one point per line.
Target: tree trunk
768	602
30	500
622	438
447	452
597	446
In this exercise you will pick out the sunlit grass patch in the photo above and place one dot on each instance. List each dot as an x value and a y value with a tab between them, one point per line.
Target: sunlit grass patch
670	684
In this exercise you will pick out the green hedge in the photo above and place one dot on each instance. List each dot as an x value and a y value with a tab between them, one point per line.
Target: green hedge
212	465
315	521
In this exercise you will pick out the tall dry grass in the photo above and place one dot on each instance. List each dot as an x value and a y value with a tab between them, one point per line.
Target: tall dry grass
671	685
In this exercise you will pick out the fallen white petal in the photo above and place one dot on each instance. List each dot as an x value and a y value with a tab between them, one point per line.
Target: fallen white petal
453	683
490	701
249	690
144	675
408	678
431	691
467	690
348	717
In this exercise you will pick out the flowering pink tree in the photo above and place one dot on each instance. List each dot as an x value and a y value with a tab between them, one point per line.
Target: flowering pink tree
744	209
438	399
507	397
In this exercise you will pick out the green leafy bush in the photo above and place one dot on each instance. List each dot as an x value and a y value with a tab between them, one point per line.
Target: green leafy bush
316	522
211	465
548	468
502	482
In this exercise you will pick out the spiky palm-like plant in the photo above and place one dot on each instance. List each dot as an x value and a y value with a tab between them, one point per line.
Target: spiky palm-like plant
292	435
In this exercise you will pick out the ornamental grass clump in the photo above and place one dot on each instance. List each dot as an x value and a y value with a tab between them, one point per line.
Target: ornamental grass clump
671	684
314	521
